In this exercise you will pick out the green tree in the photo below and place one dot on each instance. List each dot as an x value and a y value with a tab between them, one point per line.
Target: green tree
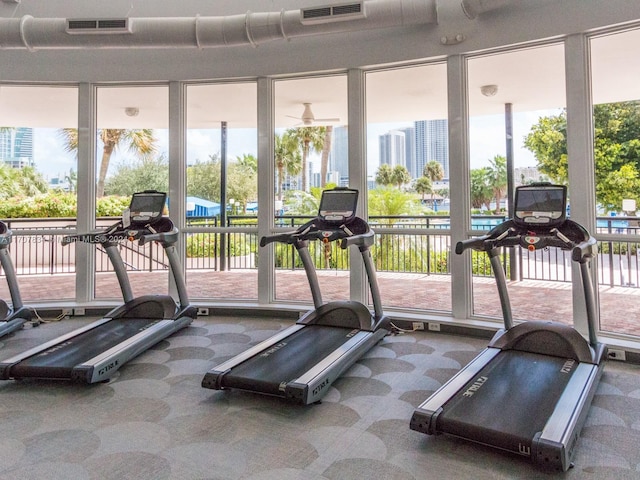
481	191
310	139
423	186
618	185
203	179
324	158
384	175
497	178
616	144
390	202
147	174
400	176
433	171
287	158
249	161
72	179
548	141
242	183
141	143
26	181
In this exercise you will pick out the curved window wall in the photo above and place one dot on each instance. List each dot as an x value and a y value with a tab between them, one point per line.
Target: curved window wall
515	101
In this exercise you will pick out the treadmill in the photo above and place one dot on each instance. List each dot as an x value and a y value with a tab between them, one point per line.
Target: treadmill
12	317
93	353
530	390
301	362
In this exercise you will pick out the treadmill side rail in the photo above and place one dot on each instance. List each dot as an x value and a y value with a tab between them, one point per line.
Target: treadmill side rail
554	446
425	416
6	365
103	366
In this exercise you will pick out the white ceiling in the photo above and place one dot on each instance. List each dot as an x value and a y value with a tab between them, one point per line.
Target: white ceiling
529	79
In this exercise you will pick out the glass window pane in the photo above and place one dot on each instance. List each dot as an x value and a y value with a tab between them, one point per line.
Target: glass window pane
132	146
222	168
408	177
616	120
513	97
311	153
38	185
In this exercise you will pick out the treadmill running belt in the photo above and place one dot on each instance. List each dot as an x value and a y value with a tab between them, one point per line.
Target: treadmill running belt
59	360
287	360
509	401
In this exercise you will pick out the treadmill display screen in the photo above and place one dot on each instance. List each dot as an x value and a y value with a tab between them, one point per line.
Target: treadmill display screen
543	205
338	205
147	206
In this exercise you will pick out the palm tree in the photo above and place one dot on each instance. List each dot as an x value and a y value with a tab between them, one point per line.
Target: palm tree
423	186
400	175
433	171
287	157
311	139
324	159
249	161
72	180
384	175
141	142
498	178
481	192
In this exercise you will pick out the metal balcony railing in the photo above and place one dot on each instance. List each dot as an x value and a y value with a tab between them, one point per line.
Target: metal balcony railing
417	244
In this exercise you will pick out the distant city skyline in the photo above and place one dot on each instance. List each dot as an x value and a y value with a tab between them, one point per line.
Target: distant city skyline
486	140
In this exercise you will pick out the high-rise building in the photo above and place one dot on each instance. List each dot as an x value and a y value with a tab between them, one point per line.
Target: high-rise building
410	151
339	158
16	147
392	148
432	143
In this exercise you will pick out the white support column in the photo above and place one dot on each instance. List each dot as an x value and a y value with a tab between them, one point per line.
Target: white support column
459	185
86	191
177	170
580	156
357	141
266	194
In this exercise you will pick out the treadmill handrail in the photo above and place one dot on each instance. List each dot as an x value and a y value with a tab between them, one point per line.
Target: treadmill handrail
568	236
318	230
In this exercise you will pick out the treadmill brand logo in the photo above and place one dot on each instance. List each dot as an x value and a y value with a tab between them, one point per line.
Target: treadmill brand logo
106	368
274	349
320	387
568	366
475	387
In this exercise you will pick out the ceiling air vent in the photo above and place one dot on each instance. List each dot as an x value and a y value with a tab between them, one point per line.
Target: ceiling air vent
99	26
332	13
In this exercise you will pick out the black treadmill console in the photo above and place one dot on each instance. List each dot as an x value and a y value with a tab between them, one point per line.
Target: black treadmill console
146	207
540	205
338	206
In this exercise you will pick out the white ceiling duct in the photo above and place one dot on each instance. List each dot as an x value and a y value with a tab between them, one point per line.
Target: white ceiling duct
473	8
209	32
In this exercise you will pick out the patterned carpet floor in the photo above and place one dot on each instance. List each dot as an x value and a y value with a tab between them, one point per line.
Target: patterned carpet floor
154	421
